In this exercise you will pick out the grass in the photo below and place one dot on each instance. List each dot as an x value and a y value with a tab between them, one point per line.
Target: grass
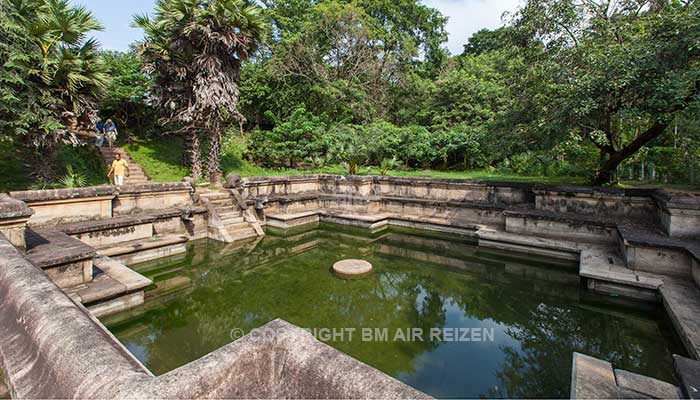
159	158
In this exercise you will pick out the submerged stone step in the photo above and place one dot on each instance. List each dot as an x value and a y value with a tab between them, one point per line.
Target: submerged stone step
145	250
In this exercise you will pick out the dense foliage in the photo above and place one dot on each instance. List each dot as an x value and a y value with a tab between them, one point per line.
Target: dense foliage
597	89
52	77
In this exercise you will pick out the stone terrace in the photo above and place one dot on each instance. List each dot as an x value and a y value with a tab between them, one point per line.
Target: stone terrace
640	244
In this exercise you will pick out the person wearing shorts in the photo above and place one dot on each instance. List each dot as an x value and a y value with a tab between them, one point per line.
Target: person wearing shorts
119	170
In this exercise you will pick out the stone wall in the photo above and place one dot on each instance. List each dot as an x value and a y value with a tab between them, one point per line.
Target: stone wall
52	207
617	204
152	196
53	348
589	214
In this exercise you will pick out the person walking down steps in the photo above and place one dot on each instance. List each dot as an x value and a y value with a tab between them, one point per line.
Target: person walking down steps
110	130
118	170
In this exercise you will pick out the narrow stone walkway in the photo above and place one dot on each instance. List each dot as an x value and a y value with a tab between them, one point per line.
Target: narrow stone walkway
136	174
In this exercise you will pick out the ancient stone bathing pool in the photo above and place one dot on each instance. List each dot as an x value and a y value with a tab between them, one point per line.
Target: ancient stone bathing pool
491	323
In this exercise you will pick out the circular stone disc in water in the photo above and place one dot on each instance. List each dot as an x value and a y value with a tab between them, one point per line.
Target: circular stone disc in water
352	268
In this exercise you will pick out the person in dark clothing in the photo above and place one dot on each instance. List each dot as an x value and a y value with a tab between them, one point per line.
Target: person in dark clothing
100	128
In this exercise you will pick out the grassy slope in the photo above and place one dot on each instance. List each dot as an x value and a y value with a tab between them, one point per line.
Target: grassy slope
161	159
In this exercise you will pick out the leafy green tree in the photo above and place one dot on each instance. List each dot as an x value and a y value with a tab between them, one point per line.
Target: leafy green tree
194	49
290	142
486	41
127	99
49	59
621	71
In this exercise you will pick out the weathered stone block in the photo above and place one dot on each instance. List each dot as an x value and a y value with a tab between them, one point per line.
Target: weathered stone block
592	378
109	236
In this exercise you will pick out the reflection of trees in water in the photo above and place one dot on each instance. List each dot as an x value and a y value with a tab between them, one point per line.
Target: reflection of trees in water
547	336
267	283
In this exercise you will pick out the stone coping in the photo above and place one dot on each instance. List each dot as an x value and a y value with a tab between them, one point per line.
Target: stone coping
75	228
31	196
53	348
154	188
12	208
46	248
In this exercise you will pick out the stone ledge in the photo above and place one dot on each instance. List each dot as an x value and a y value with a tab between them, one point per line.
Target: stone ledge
640	386
12	208
64	194
595	264
682	302
124	221
688	372
645	236
46	248
592	378
153	187
123	248
677	200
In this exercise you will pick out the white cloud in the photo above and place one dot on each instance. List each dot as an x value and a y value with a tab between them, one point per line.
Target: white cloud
469	16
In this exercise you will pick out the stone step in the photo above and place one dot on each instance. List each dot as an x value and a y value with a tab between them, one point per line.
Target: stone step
229	215
232	220
115	288
225	209
214	197
241	232
140	245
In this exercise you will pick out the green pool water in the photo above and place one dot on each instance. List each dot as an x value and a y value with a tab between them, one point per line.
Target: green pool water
527	315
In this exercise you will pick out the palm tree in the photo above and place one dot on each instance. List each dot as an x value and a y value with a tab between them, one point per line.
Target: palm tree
69	69
195	49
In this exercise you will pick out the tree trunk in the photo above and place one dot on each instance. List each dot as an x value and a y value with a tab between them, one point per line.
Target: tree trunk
692	170
45	160
214	159
615	158
193	157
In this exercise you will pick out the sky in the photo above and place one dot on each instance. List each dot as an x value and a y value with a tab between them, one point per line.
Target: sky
465	18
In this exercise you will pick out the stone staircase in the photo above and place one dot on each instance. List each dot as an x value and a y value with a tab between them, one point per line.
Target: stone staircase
227	222
136	174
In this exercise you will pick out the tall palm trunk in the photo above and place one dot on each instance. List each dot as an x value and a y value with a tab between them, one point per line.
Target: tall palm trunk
214	159
194	158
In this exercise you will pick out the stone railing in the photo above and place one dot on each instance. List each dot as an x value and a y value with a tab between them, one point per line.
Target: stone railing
53	348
